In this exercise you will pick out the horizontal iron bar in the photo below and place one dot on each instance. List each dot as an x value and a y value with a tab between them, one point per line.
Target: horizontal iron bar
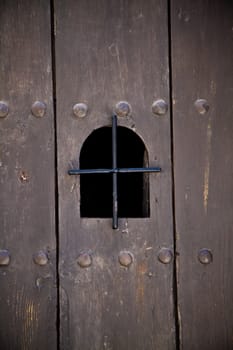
139	170
112	171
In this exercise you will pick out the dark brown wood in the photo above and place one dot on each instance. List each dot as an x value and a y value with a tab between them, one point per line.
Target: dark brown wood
202	56
108	51
28	290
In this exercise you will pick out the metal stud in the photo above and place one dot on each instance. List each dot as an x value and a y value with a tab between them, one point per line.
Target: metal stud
80	110
205	256
159	107
40	258
201	106
165	255
4	257
4	109
123	109
84	260
38	109
125	258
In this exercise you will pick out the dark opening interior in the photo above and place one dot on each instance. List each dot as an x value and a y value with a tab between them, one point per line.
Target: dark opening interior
96	189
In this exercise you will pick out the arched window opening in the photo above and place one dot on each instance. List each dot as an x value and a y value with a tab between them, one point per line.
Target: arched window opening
96	189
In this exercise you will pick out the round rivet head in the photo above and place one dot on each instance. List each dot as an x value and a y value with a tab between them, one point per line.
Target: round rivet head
165	256
123	109
125	258
38	109
80	110
4	257
205	256
201	106
84	260
159	107
4	109
40	258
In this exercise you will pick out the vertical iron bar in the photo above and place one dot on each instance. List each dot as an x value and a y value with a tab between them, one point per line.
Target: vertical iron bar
114	175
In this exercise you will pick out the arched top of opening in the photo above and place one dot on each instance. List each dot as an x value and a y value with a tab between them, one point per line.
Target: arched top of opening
96	189
100	141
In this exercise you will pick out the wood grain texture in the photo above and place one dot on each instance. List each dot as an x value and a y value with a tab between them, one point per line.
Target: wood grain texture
28	291
202	56
108	51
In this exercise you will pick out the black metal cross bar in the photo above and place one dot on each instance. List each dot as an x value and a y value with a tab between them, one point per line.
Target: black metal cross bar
114	171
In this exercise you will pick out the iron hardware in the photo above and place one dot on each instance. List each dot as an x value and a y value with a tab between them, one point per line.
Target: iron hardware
114	171
4	109
125	258
159	107
123	109
40	258
205	256
80	110
202	106
84	259
165	255
4	257
38	109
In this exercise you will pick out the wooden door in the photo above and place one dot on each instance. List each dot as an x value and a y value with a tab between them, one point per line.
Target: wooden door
202	56
27	239
121	297
68	279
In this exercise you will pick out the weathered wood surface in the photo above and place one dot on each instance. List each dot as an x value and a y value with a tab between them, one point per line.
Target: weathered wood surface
202	56
108	51
28	291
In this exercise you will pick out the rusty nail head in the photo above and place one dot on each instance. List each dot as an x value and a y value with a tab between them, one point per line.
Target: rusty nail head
205	256
4	257
201	106
80	110
165	255
123	109
125	258
159	107
84	260
38	109
40	258
24	177
4	109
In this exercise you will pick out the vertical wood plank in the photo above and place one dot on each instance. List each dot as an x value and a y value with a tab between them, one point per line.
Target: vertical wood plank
202	56
109	51
28	290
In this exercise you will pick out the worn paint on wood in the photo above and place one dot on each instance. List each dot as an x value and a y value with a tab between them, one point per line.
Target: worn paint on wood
28	291
108	51
202	56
